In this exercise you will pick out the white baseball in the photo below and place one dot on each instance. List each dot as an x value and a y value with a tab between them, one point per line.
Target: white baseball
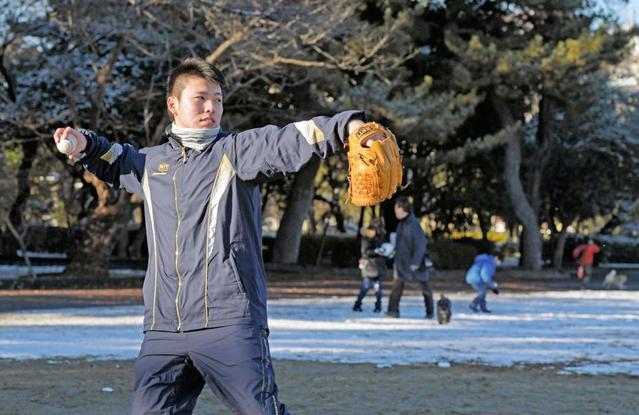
68	145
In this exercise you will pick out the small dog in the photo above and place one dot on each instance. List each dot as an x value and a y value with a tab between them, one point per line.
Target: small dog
444	310
614	281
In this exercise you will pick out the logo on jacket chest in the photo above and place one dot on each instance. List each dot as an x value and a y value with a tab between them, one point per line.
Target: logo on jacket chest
163	168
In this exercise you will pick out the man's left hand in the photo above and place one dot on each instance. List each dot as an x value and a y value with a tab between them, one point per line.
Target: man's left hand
354	124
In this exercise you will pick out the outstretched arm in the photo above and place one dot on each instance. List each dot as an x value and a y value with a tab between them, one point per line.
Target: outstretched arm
119	165
270	150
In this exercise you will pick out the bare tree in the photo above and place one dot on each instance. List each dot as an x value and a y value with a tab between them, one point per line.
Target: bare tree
7	190
102	64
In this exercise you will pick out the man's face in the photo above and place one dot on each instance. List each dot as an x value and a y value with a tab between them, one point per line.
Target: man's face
400	213
199	104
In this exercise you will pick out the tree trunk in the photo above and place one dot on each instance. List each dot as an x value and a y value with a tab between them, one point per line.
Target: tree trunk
559	237
135	248
320	251
484	225
23	247
335	210
266	191
558	255
360	222
542	155
122	243
312	223
531	240
339	219
94	244
289	235
29	150
387	208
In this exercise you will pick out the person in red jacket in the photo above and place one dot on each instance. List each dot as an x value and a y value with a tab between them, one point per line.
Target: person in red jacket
584	254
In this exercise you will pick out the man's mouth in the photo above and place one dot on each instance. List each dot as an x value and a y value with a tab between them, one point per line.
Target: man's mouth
208	121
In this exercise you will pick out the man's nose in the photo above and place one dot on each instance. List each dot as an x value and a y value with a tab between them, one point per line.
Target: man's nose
209	106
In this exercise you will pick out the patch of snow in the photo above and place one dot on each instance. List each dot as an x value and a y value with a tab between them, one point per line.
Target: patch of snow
43	255
127	273
594	332
11	272
618	265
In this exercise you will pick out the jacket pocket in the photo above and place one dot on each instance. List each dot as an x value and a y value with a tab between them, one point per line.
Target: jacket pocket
238	280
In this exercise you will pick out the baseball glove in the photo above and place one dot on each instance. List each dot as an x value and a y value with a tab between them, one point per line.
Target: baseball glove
374	172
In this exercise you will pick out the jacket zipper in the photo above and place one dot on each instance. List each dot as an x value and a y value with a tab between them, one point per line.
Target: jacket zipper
177	250
149	199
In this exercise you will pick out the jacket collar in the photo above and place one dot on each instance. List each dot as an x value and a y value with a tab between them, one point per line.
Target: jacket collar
176	144
406	219
174	141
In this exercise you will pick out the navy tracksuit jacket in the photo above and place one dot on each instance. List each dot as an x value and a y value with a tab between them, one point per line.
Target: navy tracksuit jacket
203	216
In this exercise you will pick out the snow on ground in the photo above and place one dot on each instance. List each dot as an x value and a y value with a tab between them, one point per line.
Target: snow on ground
595	332
11	272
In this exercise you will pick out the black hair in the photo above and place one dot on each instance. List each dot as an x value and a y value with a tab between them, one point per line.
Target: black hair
193	67
404	203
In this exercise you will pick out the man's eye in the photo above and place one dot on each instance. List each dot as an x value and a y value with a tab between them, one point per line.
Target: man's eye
219	100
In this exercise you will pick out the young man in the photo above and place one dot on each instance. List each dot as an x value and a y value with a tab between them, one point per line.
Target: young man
205	316
410	256
480	277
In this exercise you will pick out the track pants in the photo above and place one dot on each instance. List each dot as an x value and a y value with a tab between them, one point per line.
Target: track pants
234	361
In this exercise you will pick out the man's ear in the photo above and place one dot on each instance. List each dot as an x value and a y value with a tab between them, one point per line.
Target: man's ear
171	105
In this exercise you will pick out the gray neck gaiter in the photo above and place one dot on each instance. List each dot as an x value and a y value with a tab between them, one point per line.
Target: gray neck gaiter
195	138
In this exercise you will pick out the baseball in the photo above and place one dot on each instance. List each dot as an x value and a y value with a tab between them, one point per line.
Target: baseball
68	145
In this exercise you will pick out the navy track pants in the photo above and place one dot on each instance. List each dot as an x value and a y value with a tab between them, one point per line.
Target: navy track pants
234	361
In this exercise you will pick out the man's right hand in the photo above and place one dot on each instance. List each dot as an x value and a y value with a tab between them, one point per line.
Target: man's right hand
63	134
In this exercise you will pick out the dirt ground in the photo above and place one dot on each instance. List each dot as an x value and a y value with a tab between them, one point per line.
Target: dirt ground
75	386
66	387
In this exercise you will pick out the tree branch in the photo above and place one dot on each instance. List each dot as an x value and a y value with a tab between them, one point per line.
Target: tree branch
212	57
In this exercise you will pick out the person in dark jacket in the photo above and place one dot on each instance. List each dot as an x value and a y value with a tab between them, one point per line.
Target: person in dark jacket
372	263
204	292
410	259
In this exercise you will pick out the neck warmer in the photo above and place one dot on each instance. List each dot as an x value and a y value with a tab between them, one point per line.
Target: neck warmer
195	138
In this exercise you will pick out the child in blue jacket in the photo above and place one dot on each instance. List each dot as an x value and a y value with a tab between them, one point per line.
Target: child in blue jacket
480	277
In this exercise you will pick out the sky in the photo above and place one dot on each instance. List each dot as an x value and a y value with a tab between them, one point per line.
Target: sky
591	332
626	12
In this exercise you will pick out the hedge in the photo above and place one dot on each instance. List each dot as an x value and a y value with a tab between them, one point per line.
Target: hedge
344	251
